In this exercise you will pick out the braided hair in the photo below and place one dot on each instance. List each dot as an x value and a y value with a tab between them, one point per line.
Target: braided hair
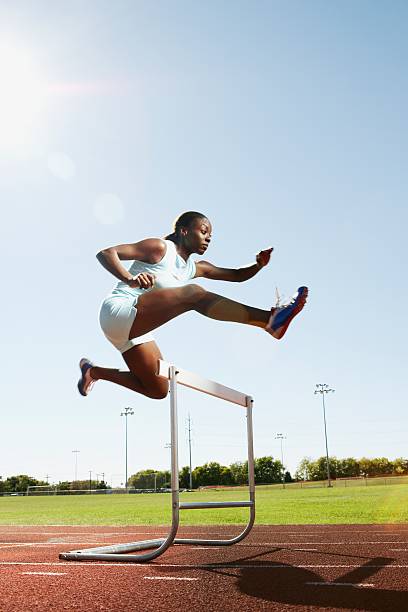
184	220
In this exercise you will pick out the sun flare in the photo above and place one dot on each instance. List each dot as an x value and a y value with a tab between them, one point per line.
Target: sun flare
22	99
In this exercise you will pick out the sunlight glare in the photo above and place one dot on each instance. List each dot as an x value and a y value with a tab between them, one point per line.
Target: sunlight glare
109	209
61	166
22	99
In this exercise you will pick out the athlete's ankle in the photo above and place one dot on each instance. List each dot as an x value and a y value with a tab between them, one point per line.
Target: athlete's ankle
93	373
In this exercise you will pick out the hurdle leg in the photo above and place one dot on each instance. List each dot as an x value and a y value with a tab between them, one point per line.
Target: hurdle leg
250	504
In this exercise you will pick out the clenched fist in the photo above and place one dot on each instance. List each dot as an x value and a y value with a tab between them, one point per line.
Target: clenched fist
263	257
144	280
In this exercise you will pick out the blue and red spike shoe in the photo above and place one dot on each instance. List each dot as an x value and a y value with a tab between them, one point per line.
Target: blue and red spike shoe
85	383
281	316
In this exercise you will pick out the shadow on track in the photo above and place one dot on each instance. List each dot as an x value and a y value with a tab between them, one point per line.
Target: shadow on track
289	585
278	582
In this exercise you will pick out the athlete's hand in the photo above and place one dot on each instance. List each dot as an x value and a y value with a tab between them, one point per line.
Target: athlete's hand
263	257
144	280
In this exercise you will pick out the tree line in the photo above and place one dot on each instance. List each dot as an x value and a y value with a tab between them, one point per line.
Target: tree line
350	468
267	471
19	484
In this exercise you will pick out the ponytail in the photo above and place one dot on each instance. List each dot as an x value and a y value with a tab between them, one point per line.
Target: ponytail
172	237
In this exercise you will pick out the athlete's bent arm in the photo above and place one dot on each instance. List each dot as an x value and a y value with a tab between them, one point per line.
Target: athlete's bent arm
206	269
150	250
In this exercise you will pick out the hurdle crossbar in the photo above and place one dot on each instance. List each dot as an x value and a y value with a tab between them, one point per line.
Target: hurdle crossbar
120	552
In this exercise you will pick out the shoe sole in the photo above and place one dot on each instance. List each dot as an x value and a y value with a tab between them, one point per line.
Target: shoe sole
296	308
81	381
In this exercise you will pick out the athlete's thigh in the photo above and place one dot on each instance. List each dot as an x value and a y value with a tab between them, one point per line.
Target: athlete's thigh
155	308
142	360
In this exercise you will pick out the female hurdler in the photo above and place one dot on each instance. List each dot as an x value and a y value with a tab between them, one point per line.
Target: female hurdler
155	290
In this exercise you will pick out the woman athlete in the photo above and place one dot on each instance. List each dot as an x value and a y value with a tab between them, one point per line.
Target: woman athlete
155	290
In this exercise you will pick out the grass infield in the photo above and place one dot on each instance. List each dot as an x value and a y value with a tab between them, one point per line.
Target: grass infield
380	504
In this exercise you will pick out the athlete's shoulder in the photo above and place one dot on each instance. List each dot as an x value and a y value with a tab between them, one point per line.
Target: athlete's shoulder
153	249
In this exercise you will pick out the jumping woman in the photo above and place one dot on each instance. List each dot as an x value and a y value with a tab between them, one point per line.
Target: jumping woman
155	290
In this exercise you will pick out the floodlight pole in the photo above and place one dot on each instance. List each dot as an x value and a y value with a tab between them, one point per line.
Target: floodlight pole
126	412
323	388
281	437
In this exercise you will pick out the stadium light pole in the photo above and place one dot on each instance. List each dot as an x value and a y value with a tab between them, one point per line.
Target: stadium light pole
126	413
281	437
76	464
323	389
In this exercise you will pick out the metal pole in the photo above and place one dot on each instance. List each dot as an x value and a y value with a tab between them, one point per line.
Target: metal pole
175	495
281	437
126	412
327	447
323	388
90	481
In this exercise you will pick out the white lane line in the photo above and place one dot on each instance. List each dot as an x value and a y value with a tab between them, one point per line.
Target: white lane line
243	545
202	566
344	543
319	529
356	585
43	573
37	544
13	545
146	534
167	578
304	549
50	544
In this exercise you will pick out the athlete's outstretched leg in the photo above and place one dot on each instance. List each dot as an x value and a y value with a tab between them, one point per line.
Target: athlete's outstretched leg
161	305
142	377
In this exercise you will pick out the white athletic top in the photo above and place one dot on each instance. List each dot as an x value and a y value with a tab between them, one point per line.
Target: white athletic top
171	271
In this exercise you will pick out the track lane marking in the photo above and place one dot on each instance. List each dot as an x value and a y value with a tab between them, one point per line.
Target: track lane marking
198	566
304	549
167	578
43	573
242	545
356	585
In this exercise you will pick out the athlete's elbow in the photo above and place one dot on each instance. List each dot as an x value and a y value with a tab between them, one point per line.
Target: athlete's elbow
101	256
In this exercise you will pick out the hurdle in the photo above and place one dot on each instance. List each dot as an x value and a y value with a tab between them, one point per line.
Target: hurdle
120	552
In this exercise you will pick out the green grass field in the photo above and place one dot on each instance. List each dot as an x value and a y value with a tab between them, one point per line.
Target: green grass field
274	505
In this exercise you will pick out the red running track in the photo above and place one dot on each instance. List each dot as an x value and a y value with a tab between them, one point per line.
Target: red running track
300	567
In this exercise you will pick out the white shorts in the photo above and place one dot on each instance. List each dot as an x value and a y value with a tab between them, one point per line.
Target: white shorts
116	318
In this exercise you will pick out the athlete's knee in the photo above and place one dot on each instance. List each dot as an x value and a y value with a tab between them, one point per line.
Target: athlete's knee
193	293
157	388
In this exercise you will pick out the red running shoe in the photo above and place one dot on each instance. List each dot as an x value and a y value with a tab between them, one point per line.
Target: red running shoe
282	316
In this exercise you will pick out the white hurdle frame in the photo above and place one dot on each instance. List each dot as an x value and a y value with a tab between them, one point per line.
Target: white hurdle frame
115	553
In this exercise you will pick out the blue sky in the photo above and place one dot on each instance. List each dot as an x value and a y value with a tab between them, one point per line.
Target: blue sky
286	124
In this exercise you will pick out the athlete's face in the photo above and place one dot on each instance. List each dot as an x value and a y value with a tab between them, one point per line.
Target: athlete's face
197	237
